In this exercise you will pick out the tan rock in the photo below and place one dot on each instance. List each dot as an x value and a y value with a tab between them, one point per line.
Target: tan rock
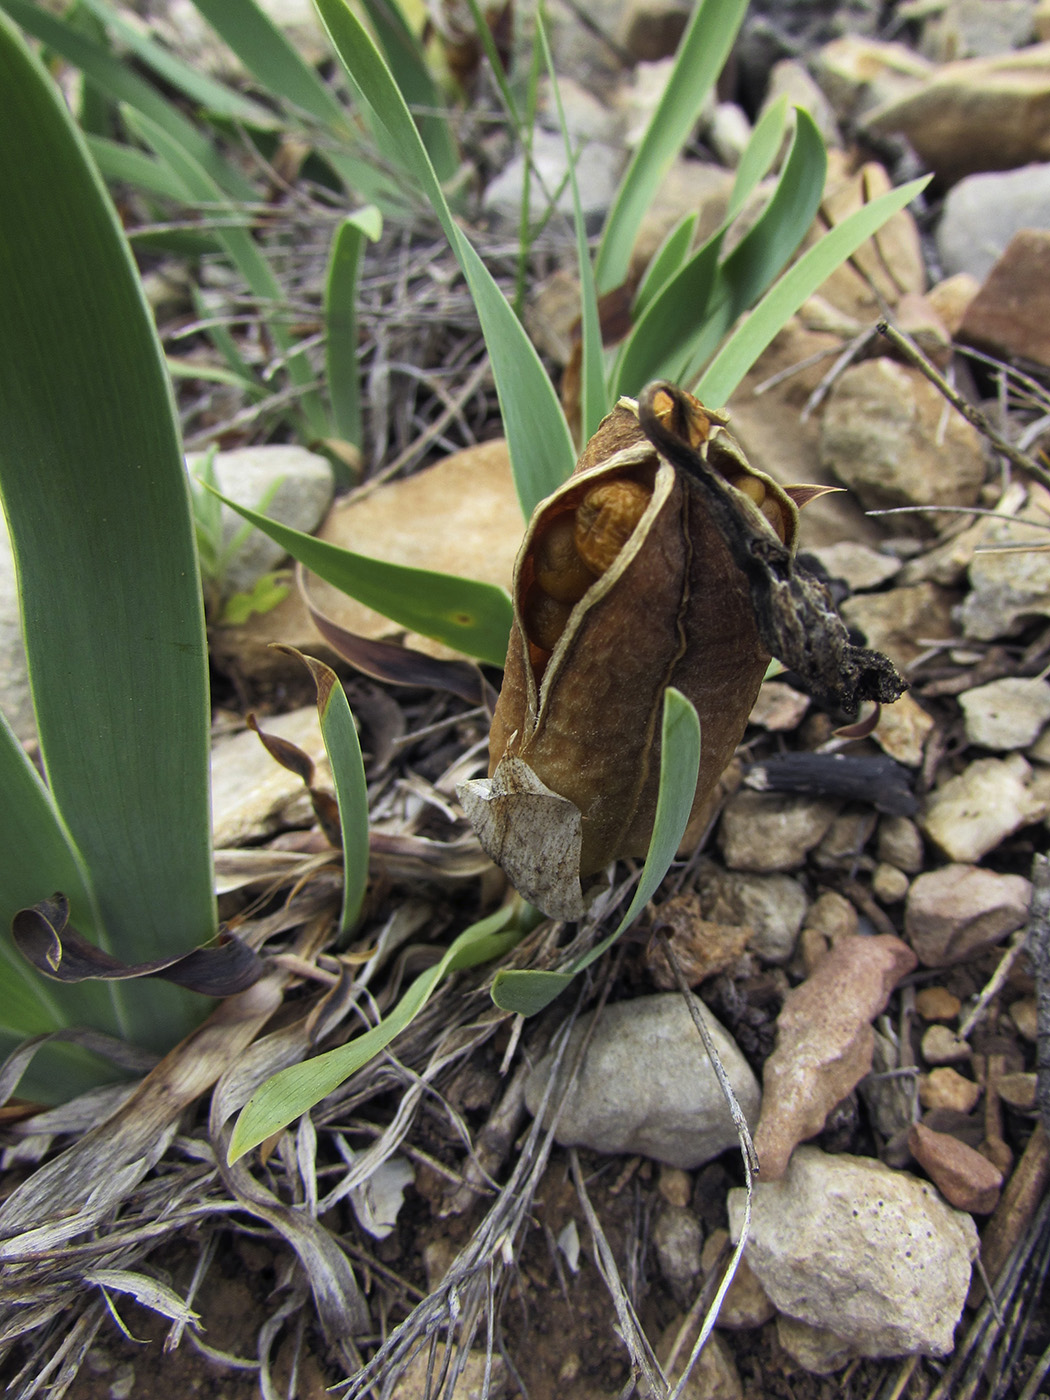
960	910
1018	1089
674	1185
900	843
1007	713
900	621
252	795
886	436
461	516
833	915
858	73
945	1087
825	1042
1010	316
779	707
965	1178
816	1349
903	729
977	114
1009	588
941	1046
1025	1015
766	831
951	297
714	1377
700	948
888	884
970	814
937	1004
471	1384
861	567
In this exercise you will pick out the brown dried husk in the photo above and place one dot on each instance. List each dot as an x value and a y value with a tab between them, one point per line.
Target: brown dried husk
673	609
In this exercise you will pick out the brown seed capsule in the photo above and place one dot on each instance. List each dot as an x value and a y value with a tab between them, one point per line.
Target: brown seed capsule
545	618
606	519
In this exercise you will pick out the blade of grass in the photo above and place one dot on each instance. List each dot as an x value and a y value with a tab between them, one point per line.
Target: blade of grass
134	167
666	262
541	448
473	617
340	318
96	497
529	992
246	256
781	302
122	85
594	404
702	52
295	1090
759	154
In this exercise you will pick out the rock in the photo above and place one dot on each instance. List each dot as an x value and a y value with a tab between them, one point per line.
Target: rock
862	568
728	133
847	1244
252	796
714	1377
675	1185
690	186
937	1004
791	79
597	174
1008	316
859	74
975	28
903	729
1008	589
183	27
952	296
677	1238
16	699
844	840
894	622
825	1042
977	114
888	884
701	948
302	485
586	118
772	907
941	1046
1006	714
960	910
983	213
970	814
815	1349
1025	1015
884	435
646	1085
900	843
650	30
477	1379
745	1305
1018	1089
464	517
964	1178
917	317
832	915
763	831
947	1088
779	707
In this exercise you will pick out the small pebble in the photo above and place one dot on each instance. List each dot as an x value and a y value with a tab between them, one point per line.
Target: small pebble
947	1088
941	1046
964	1177
675	1185
1007	713
812	945
833	915
1025	1016
937	1004
888	884
1018	1090
900	844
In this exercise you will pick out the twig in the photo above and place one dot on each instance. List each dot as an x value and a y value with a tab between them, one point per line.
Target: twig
994	983
973	416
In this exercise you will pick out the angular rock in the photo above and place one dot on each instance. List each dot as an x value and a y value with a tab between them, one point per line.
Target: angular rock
964	1178
900	843
745	1305
844	839
779	707
833	915
1008	589
895	622
1025	1016
816	1349
714	1377
884	435
771	906
977	114
460	516
941	1046
945	1087
1018	1089
983	212
959	910
769	831
791	79
597	172
1007	713
646	1085
951	297
861	567
1010	316
974	28
825	1042
858	74
847	1244
969	815
903	729
701	948
252	796
937	1004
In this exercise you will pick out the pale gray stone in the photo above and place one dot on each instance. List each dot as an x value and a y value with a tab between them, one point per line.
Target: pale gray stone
678	1239
1007	713
859	565
304	487
900	844
772	906
1009	588
791	79
983	212
598	168
874	1255
816	1349
958	911
969	815
252	795
646	1085
765	831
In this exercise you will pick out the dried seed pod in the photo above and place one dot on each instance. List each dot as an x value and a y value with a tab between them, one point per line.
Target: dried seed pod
574	749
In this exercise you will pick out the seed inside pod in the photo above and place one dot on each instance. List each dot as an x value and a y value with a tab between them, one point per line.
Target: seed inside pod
605	520
545	618
559	569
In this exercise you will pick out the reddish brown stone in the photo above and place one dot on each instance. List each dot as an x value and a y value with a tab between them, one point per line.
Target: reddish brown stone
963	1176
1010	315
